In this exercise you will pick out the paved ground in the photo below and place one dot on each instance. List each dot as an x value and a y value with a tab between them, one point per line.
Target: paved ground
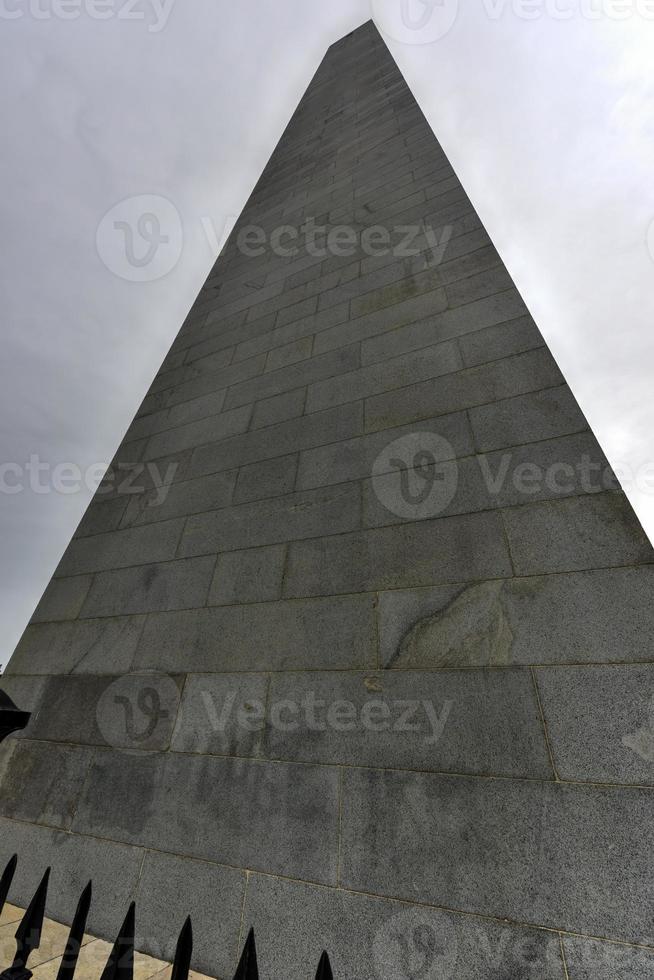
46	960
401	609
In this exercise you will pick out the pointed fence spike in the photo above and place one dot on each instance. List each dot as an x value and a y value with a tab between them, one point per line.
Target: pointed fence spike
6	880
247	968
324	968
120	965
75	936
183	953
28	934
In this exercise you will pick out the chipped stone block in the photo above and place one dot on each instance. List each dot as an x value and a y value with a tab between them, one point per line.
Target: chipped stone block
578	617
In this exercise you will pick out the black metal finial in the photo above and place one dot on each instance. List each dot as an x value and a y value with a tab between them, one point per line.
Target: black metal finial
120	965
6	880
11	718
28	934
247	968
183	953
324	968
75	936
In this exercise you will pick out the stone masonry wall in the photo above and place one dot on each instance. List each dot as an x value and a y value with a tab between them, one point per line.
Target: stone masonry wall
454	774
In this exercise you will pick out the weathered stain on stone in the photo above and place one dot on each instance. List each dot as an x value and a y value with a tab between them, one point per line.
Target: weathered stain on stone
642	741
473	629
389	296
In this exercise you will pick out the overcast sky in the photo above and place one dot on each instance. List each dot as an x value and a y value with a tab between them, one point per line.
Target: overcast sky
546	110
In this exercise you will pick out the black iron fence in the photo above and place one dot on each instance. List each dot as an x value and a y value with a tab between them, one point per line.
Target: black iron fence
11	718
120	964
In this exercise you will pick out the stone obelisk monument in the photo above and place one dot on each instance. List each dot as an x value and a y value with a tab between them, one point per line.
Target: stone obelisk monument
355	646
